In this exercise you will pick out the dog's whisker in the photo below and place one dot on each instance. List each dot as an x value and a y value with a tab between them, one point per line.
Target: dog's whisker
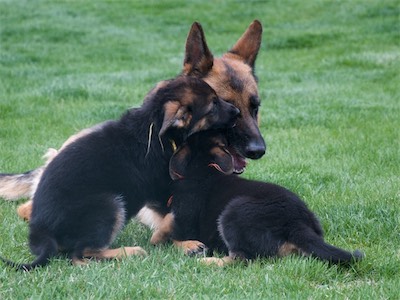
149	139
161	143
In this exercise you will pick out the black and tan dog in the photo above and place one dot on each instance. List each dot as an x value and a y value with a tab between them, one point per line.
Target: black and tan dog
243	218
232	76
99	181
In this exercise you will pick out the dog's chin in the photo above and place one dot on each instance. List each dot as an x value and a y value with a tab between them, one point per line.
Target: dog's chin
239	161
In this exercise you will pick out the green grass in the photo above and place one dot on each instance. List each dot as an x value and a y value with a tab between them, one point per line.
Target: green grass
329	79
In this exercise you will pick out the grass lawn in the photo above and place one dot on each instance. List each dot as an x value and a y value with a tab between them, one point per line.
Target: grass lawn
329	82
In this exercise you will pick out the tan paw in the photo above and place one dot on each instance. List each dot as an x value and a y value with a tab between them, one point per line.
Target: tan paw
130	251
220	262
191	247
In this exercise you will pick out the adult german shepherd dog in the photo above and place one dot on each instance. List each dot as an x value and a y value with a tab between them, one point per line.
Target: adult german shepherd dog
95	184
232	76
242	218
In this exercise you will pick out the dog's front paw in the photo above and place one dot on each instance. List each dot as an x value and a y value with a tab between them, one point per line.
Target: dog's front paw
191	247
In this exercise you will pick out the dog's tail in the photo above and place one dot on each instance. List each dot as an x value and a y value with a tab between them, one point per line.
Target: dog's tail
23	185
16	186
46	249
318	248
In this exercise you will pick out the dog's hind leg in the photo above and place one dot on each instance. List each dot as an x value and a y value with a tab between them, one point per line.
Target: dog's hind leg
25	210
164	230
117	253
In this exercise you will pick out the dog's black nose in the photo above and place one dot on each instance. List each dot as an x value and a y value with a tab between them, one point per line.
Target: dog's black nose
255	150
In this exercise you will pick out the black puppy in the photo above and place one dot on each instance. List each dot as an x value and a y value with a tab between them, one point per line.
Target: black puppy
105	175
243	218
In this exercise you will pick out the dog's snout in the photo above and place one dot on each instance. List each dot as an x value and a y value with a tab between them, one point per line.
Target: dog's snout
255	150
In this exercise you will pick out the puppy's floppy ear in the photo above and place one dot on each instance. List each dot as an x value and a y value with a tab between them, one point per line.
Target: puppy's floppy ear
175	116
198	58
249	43
222	160
179	162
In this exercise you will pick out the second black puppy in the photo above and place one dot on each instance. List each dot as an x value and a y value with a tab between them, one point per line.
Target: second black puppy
100	180
243	218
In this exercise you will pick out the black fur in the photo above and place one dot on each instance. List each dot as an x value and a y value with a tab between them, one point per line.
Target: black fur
97	183
241	217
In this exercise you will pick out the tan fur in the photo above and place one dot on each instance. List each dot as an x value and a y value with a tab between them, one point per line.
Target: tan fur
216	261
287	249
115	253
163	232
118	253
15	187
218	79
150	218
189	246
25	210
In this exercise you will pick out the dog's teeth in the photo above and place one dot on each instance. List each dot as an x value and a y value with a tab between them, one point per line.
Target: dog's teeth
239	171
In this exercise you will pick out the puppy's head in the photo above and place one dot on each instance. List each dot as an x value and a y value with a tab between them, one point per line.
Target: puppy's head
190	106
201	155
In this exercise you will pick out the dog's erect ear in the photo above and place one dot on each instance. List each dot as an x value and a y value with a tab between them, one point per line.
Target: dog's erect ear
222	160
179	162
175	116
198	58
249	43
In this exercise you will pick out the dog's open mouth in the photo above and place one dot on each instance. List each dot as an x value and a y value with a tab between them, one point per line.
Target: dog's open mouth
239	161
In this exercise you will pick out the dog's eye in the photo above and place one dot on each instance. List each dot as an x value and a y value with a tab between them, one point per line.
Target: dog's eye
255	112
254	101
254	105
214	106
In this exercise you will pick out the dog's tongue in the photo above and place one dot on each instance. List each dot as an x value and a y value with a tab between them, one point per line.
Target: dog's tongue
239	162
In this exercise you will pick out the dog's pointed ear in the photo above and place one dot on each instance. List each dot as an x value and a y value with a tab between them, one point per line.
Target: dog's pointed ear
175	116
198	58
248	45
222	160
179	162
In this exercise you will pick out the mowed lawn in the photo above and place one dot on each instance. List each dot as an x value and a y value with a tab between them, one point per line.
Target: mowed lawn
329	82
